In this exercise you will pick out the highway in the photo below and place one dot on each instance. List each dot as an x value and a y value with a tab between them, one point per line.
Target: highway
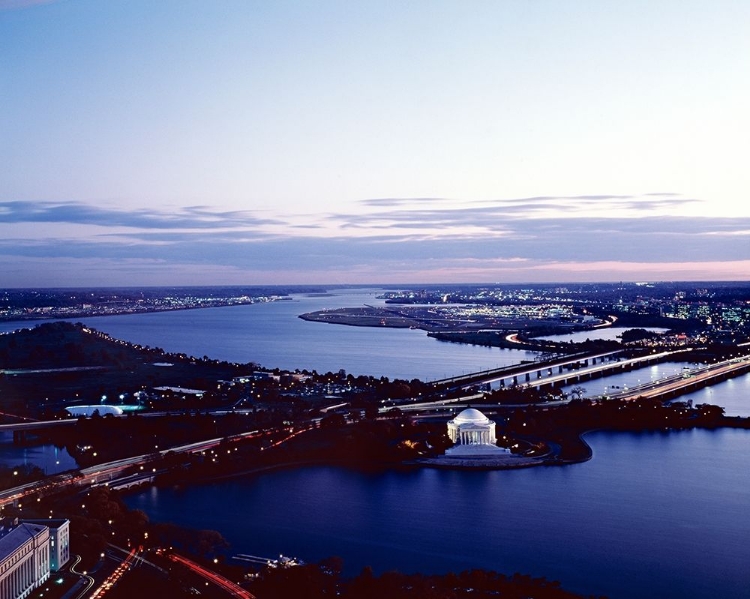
85	583
670	386
113	578
37	424
117	470
231	588
108	471
697	377
594	369
523	369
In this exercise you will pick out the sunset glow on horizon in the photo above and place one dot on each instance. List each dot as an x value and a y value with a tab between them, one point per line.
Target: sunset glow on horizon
193	143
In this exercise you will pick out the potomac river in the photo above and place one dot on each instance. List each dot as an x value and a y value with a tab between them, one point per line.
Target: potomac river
272	335
661	515
657	515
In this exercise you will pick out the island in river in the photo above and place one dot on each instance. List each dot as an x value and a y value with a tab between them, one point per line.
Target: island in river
456	317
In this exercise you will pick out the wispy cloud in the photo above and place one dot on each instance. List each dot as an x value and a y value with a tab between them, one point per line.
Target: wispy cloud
509	217
192	217
561	206
393	202
502	240
731	232
396	217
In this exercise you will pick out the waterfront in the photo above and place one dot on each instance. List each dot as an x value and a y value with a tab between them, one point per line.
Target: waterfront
607	333
49	458
659	514
273	336
733	394
651	515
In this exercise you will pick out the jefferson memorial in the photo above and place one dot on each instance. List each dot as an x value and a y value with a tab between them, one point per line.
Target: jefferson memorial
474	435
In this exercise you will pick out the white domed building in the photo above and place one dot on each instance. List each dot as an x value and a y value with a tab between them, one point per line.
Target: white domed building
473	434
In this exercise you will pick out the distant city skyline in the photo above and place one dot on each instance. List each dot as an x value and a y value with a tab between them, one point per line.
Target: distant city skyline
240	143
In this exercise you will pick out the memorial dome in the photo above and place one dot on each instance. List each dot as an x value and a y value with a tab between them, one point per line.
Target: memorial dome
470	416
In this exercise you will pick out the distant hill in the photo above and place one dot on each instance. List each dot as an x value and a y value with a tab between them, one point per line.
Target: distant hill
62	363
64	345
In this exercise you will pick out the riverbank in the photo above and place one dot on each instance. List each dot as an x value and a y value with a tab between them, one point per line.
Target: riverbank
370	452
424	519
503	333
502	462
436	321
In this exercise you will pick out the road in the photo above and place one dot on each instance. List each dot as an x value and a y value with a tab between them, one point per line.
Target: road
233	589
109	471
123	469
668	386
696	377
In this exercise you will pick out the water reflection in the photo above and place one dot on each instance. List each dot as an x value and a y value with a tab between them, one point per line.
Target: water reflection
48	457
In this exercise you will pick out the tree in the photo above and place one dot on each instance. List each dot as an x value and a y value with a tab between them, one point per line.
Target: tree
578	391
209	542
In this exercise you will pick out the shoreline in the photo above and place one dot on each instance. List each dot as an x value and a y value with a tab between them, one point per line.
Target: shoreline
489	334
511	462
93	314
443	462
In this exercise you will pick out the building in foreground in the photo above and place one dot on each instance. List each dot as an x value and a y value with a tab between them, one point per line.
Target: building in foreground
474	435
59	541
29	551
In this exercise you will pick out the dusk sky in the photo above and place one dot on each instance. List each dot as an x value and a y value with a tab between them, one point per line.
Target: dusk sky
187	142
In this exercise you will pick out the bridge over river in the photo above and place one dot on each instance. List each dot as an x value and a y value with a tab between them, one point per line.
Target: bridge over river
664	389
567	370
688	381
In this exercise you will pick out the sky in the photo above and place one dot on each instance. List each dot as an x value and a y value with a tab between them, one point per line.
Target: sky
185	142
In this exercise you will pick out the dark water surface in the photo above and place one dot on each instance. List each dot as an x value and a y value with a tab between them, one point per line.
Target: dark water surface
49	458
273	335
651	515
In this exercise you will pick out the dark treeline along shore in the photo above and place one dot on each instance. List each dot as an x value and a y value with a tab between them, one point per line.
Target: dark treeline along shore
44	304
55	365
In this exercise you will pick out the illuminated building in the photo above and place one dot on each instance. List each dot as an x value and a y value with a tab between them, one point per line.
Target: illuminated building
473	434
29	551
59	541
24	558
